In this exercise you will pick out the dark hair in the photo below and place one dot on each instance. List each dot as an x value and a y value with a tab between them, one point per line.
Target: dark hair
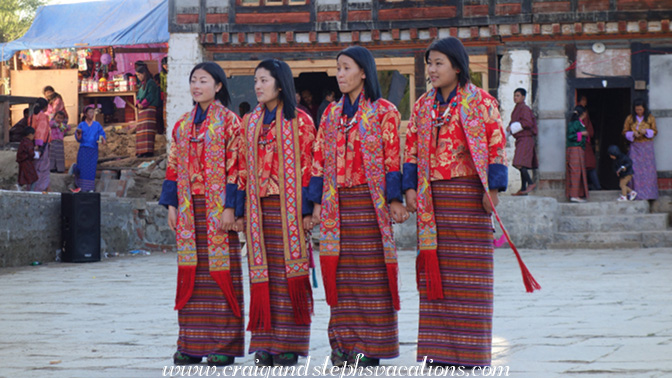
642	103
28	130
40	104
164	60
48	88
26	112
139	64
86	109
578	110
365	61
142	69
217	73
328	92
456	53
61	113
522	91
244	108
284	81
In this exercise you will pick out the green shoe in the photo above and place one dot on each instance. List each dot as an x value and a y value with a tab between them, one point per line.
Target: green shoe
220	360
182	359
262	358
285	359
339	357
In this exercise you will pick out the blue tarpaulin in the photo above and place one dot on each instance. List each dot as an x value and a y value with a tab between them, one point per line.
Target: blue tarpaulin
94	24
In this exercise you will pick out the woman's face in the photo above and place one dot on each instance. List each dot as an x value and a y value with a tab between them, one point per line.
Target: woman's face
203	86
48	93
89	113
440	70
639	110
265	86
140	75
350	76
583	116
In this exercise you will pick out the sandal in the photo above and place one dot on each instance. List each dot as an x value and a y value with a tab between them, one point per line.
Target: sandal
220	360
339	357
262	358
180	358
286	359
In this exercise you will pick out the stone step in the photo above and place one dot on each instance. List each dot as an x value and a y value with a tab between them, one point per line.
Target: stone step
613	223
604	208
657	239
612	240
573	245
594	195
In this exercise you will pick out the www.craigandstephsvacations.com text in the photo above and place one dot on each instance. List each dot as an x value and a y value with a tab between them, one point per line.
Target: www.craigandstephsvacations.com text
424	369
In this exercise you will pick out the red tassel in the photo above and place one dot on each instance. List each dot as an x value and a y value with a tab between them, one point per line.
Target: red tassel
430	261
260	308
223	279
186	275
329	265
393	279
301	296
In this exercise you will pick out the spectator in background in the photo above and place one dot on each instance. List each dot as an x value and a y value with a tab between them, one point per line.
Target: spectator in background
307	97
40	122
57	154
89	133
640	129
16	132
525	156
329	97
576	183
148	100
24	156
56	103
299	105
244	108
591	161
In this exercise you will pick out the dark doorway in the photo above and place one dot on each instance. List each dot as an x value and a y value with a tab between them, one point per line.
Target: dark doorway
608	108
317	84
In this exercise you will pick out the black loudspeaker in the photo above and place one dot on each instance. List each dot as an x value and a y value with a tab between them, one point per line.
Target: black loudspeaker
80	227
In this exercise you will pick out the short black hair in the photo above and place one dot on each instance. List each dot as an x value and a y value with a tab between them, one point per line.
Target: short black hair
60	112
26	112
284	81
522	91
40	104
578	110
456	53
244	108
218	74
365	61
28	130
48	88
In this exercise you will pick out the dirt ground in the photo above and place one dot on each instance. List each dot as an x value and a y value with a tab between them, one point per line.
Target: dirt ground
117	154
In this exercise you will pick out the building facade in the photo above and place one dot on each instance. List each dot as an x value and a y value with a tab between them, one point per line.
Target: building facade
611	51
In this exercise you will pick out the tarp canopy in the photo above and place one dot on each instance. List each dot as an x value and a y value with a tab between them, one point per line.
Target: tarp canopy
94	24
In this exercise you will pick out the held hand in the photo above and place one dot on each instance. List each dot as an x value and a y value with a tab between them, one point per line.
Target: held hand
140	106
172	217
239	225
308	223
228	220
411	200
317	209
584	133
399	212
495	201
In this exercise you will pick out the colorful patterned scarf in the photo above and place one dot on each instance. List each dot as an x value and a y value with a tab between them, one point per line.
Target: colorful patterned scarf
371	137
214	127
469	102
293	236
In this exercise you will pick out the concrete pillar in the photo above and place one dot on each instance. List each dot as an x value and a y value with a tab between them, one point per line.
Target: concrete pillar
552	105
660	103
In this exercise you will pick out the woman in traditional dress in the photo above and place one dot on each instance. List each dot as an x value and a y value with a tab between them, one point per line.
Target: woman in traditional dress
88	134
148	100
356	187
525	157
200	193
56	103
640	129
59	127
274	176
576	182
40	122
454	166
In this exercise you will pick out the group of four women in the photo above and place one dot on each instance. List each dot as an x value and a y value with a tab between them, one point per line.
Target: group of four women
274	178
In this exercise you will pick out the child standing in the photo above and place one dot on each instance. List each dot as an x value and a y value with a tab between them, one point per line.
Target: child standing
25	156
88	134
57	154
623	168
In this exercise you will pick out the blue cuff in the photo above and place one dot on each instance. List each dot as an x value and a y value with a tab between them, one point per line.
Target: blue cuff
240	203
315	190
230	202
498	176
169	194
307	204
393	187
410	180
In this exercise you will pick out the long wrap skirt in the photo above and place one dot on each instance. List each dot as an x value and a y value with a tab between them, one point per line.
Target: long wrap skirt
87	162
42	168
576	181
146	130
57	156
645	177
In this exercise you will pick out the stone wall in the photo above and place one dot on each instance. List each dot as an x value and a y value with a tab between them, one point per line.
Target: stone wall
30	228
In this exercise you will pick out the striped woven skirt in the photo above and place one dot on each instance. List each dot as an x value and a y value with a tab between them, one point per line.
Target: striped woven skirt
207	324
42	168
87	162
285	335
364	320
576	181
146	130
458	328
645	177
57	156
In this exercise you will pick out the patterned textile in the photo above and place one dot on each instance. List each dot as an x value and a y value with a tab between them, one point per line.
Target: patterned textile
525	155
646	126
645	178
146	130
370	117
42	168
57	156
290	186
284	335
458	328
207	323
24	156
591	161
221	125
87	162
350	158
56	105
576	182
364	297
58	130
40	122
